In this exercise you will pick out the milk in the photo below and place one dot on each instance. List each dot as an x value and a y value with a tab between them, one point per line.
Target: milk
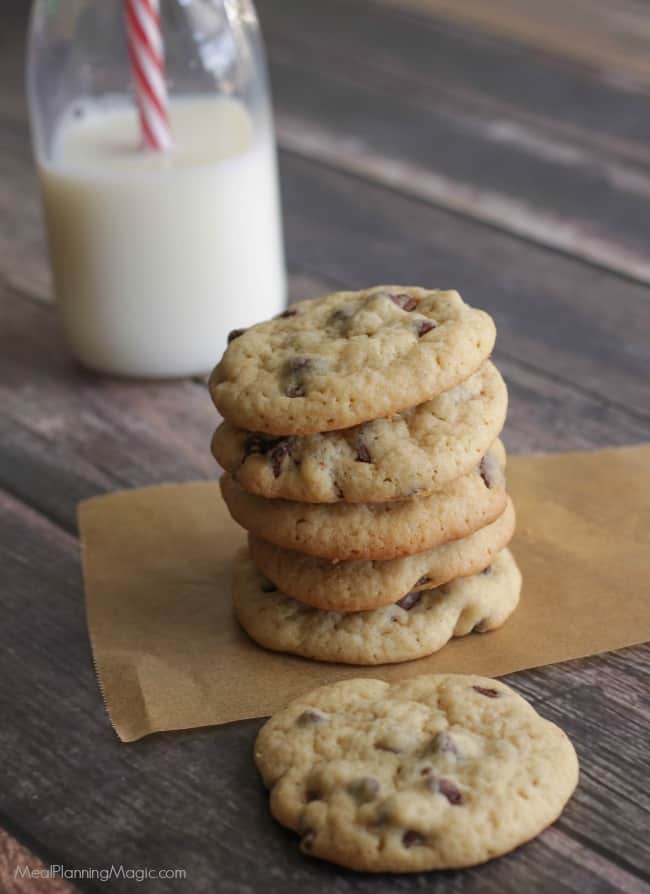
157	256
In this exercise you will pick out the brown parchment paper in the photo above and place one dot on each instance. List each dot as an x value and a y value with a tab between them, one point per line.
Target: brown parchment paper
169	654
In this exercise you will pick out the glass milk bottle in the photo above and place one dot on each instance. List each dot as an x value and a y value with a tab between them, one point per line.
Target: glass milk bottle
153	139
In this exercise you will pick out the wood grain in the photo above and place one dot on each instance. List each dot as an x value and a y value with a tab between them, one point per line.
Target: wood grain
444	62
603	35
546	154
193	800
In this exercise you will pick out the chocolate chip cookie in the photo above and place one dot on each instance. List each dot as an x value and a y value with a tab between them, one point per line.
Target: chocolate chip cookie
439	772
376	530
350	357
418	625
362	585
412	453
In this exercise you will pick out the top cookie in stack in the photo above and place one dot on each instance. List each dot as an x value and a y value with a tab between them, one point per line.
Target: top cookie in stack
338	361
362	427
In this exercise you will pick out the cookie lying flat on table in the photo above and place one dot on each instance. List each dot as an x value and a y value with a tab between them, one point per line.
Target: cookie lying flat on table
343	359
376	530
414	452
418	625
439	772
365	584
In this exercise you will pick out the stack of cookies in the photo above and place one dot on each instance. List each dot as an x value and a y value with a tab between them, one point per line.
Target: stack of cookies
361	451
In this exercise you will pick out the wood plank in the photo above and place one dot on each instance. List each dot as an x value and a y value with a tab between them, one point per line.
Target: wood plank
610	36
545	415
432	58
193	800
528	183
418	125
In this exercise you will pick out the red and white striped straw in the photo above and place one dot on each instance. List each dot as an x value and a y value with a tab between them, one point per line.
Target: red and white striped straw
148	67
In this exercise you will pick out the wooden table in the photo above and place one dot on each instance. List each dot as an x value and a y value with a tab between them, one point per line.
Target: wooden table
500	148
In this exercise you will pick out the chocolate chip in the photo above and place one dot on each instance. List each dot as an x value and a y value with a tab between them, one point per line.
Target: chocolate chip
424	326
289	312
407	602
307	840
487	570
425	771
364	789
406	302
441	786
268	586
482	626
363	454
312	794
451	792
422	581
276	448
443	743
235	334
277	455
411	838
255	443
294	369
488	693
310	717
